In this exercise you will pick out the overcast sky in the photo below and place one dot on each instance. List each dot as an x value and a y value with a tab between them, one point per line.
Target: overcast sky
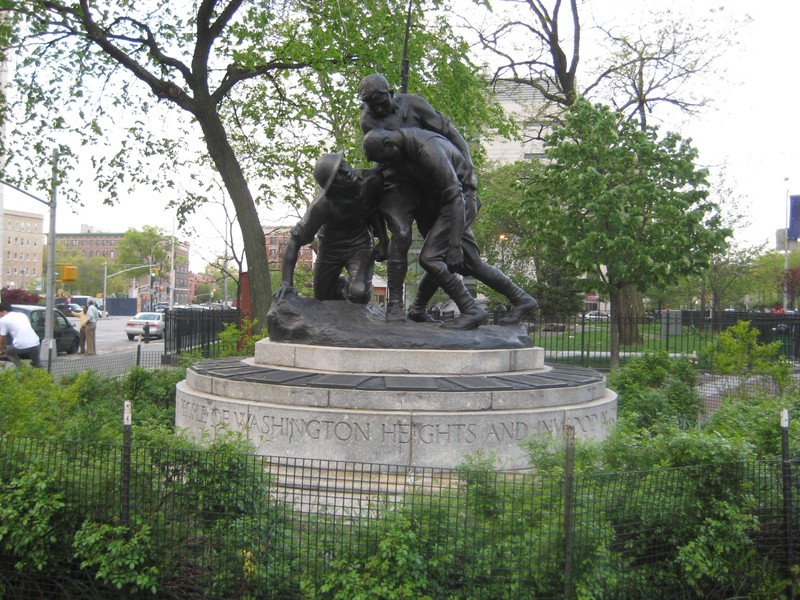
752	135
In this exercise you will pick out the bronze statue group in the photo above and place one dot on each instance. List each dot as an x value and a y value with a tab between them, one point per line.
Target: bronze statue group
424	176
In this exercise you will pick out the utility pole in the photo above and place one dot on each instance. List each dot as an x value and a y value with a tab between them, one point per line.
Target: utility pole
172	270
404	67
50	301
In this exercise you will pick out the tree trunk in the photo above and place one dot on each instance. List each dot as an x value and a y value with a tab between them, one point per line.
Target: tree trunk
235	182
631	313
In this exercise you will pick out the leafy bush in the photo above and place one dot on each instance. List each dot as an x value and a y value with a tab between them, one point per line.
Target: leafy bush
31	404
31	530
118	555
737	351
392	569
654	388
240	341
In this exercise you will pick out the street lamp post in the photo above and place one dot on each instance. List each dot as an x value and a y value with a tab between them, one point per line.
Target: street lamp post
152	266
786	252
503	239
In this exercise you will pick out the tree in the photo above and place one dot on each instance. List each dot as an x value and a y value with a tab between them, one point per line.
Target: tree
267	87
145	247
540	44
506	239
90	272
628	208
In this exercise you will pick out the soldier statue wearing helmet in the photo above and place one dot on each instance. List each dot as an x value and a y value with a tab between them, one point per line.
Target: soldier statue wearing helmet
383	109
345	219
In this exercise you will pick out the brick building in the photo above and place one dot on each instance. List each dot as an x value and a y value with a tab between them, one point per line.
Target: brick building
276	238
91	242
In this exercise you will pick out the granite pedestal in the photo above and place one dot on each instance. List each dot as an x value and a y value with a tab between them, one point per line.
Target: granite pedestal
402	407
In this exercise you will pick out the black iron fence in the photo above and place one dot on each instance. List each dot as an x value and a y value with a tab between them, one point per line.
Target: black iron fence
585	340
196	330
93	521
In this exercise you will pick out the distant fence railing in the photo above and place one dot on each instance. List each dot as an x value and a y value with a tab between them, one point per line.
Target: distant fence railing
113	365
190	330
585	340
187	525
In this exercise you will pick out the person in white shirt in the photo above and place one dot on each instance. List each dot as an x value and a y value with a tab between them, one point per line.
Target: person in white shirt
24	341
92	314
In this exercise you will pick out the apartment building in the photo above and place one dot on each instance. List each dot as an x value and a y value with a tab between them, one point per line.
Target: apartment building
24	250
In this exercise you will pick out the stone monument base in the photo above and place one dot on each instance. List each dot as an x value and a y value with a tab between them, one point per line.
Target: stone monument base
401	407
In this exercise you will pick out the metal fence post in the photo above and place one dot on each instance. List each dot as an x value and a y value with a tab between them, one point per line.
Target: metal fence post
583	340
569	508
138	355
787	487
125	485
125	490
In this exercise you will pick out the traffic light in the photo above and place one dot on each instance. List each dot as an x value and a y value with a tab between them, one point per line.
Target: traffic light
152	276
69	273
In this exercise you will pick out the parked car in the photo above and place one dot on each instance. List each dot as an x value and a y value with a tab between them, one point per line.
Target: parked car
65	335
597	315
135	326
161	307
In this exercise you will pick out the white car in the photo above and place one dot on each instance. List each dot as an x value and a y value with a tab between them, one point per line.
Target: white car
597	315
135	326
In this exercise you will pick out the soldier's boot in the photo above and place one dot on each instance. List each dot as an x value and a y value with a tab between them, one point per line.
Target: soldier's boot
471	315
419	309
522	303
396	275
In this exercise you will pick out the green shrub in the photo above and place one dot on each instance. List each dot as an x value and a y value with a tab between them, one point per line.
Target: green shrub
240	341
118	555
737	351
31	520
654	388
31	404
393	568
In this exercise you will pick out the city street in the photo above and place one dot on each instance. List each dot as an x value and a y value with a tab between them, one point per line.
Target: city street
110	338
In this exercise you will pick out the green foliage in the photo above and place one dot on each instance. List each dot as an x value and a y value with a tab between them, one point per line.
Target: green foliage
118	555
506	202
32	404
756	418
240	341
86	406
654	388
630	208
394	568
30	519
737	351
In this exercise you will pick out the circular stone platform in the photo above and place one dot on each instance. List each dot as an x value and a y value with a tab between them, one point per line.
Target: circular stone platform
397	407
